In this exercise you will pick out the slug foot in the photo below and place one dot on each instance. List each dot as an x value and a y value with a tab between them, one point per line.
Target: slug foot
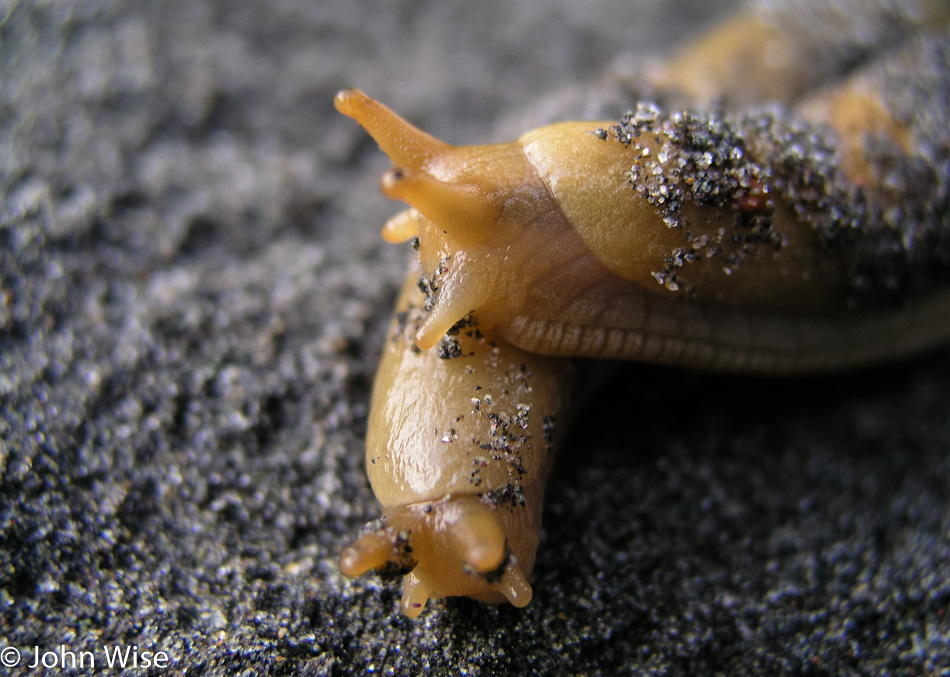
453	546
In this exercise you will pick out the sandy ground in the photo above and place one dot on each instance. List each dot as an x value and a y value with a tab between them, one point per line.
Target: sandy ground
193	299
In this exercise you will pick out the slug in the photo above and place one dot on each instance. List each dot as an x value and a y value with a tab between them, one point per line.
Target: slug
808	237
458	451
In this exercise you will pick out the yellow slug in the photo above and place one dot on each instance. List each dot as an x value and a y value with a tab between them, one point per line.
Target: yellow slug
768	240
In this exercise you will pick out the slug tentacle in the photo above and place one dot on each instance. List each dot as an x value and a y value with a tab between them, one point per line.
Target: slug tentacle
405	145
403	226
369	552
457	295
459	208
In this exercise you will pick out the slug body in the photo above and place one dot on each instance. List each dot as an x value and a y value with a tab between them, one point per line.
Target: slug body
458	451
766	242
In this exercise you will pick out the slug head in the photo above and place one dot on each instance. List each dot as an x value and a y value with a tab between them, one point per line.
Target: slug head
454	546
475	210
